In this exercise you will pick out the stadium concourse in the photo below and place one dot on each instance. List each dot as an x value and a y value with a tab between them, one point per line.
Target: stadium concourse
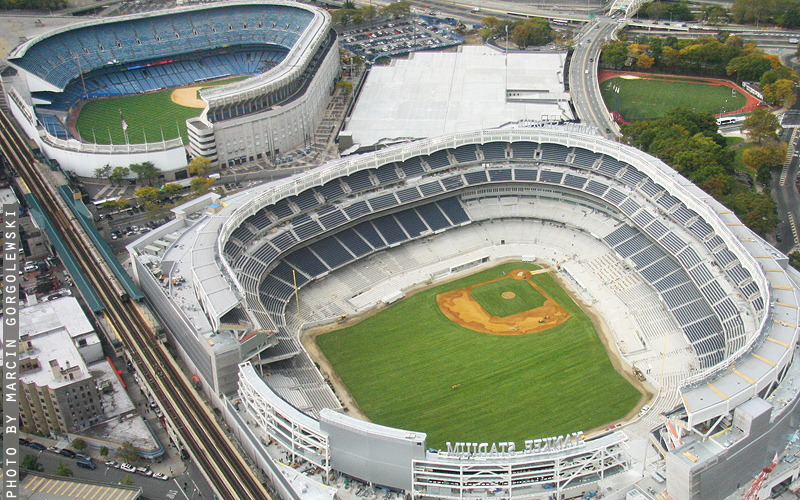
706	309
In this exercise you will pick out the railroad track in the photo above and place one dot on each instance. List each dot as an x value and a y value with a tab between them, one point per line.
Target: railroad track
224	467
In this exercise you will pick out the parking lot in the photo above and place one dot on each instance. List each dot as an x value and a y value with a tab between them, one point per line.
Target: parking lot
399	38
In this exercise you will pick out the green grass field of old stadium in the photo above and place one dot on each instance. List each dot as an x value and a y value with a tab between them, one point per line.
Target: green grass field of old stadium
401	364
148	115
647	99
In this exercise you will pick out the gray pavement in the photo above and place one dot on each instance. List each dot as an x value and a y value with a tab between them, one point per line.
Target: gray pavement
583	78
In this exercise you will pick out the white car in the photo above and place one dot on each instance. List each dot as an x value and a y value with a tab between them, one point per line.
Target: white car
644	410
128	468
159	475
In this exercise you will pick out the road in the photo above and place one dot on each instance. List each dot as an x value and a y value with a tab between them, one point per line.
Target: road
173	489
583	80
788	201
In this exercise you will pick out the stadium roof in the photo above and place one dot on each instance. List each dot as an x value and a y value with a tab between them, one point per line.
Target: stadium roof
437	93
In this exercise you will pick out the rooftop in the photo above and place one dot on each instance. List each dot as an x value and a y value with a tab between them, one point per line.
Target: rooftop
436	93
46	316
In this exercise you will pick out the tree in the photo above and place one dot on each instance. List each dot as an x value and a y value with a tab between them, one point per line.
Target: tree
126	481
780	93
127	452
63	470
199	166
760	125
122	204
750	67
148	194
171	189
757	210
145	172
79	444
770	155
31	462
200	185
103	172
614	54
794	260
345	87
118	175
644	61
493	23
487	33
104	451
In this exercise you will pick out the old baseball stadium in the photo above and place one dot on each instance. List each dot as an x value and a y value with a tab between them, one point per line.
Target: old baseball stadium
287	50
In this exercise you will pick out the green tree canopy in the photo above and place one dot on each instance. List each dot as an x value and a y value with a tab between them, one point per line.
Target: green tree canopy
761	125
104	451
199	166
103	172
79	444
63	470
31	462
148	194
127	452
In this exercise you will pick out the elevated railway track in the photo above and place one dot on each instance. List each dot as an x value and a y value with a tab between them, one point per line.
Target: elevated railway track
220	461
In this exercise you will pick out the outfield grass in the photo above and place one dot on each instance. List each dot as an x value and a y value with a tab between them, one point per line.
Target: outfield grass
400	366
642	99
147	115
490	297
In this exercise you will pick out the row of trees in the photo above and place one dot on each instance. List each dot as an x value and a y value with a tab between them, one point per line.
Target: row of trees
531	32
784	13
691	144
33	4
674	11
350	15
725	55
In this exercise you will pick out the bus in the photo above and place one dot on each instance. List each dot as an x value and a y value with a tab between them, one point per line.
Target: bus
561	22
729	120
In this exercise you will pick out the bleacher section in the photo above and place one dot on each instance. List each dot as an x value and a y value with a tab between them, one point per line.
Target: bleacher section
329	227
701	326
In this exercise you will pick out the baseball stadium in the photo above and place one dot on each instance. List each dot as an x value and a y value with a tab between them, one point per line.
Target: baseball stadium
510	313
234	82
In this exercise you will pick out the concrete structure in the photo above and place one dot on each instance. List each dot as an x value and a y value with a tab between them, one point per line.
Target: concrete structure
274	111
663	263
436	93
59	392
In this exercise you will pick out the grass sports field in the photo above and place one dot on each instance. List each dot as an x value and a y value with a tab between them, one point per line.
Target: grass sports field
146	115
401	364
490	297
647	99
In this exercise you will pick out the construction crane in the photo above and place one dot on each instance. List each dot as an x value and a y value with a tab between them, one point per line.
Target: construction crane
752	492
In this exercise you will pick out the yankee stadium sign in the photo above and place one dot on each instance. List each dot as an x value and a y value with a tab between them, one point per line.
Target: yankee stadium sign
508	449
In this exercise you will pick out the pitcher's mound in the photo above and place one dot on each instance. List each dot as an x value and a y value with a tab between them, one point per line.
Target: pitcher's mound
508	295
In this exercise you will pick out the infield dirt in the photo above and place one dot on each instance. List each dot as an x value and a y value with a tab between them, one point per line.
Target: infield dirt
458	306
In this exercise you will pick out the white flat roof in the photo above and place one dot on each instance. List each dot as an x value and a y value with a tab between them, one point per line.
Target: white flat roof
437	93
43	317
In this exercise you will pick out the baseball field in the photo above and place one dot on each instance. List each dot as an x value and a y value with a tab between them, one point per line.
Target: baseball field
501	355
148	115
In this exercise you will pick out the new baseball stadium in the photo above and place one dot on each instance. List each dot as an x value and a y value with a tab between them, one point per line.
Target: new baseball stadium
160	86
461	316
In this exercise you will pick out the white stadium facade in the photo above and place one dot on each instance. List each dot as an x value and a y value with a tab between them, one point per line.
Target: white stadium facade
706	308
288	48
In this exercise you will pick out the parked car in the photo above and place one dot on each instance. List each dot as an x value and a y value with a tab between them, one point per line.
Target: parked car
66	452
144	471
24	442
128	468
161	476
53	449
37	446
82	456
86	464
113	464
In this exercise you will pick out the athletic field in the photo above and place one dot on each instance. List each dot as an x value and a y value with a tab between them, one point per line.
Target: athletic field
647	99
411	367
147	115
